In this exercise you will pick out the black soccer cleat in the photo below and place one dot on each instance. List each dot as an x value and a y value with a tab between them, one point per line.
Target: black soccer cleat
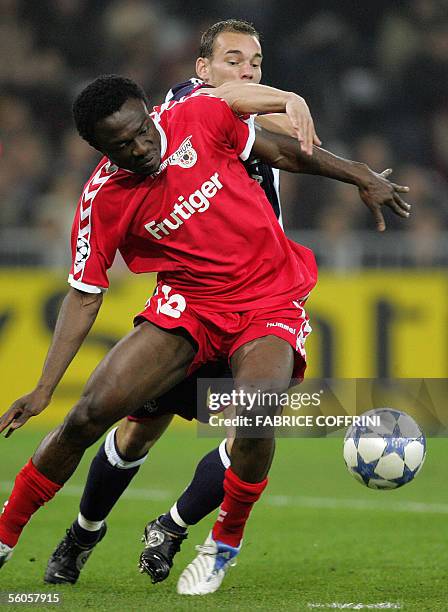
161	545
69	557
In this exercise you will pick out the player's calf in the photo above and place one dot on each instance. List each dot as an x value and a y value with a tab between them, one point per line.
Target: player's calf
60	452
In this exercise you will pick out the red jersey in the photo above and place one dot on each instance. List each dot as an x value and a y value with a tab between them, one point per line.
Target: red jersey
201	222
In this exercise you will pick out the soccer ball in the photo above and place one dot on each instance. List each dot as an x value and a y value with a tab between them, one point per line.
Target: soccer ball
385	456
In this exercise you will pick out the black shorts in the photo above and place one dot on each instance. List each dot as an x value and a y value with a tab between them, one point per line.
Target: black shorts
183	399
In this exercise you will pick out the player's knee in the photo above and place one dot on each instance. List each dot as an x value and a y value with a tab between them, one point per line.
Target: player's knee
229	444
248	444
86	422
132	440
249	448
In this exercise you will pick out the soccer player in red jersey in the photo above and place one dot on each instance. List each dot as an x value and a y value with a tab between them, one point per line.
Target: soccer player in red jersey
229	51
150	200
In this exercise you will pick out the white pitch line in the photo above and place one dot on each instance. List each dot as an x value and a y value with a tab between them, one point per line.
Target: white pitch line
334	503
385	605
76	491
330	503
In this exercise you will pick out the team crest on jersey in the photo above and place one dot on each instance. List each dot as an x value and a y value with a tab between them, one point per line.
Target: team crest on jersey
188	159
185	156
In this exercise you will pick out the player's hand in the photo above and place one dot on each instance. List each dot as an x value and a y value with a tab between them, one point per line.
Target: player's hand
377	191
22	409
302	123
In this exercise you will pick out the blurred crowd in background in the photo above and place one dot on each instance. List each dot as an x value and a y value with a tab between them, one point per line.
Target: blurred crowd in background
375	75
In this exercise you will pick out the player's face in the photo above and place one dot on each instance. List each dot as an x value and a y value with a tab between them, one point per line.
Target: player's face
130	139
235	57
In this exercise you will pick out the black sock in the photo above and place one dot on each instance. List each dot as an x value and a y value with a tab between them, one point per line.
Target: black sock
205	492
171	525
104	487
85	536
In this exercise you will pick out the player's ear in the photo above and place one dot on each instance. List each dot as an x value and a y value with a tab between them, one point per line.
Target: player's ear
202	68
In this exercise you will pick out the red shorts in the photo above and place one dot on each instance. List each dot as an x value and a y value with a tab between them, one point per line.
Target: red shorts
219	335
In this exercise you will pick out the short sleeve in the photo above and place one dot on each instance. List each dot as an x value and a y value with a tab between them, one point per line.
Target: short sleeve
88	272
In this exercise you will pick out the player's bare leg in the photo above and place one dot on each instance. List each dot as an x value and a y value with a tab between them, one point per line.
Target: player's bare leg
264	365
144	364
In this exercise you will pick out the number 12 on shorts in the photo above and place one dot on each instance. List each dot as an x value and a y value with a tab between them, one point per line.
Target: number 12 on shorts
171	305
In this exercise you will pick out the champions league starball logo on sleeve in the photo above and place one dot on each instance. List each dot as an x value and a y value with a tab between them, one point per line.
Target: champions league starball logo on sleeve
82	250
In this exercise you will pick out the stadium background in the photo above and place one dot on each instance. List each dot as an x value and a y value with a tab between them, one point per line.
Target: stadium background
375	77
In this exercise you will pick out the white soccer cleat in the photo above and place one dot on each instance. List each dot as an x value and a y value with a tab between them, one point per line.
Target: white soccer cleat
5	553
207	570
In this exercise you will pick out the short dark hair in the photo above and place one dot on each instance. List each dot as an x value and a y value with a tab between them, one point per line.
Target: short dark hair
229	25
101	98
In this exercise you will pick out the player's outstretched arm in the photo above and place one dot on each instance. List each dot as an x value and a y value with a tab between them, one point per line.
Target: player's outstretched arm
375	189
76	317
251	98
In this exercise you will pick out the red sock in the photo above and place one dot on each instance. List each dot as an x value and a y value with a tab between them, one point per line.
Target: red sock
31	490
238	500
